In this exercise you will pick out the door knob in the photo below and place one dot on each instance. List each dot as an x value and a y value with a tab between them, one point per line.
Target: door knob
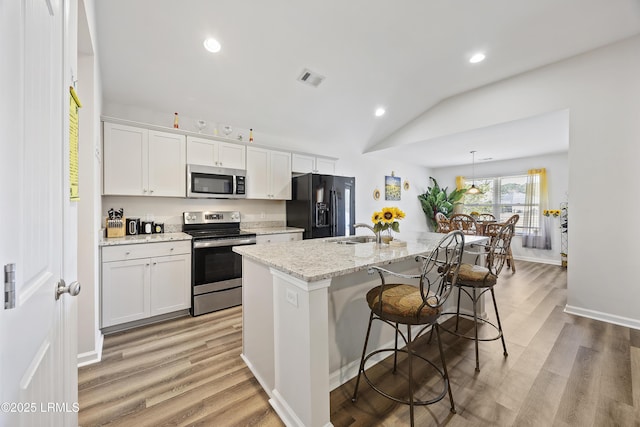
72	289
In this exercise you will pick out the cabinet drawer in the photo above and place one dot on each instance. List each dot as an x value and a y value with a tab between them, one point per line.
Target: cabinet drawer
145	250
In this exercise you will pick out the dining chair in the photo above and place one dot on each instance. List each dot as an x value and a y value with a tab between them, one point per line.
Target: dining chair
444	226
513	219
486	217
465	223
398	303
475	281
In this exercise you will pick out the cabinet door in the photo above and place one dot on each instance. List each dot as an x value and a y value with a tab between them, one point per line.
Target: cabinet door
201	152
257	173
325	166
280	175
125	160
170	284
232	155
302	164
125	291
167	164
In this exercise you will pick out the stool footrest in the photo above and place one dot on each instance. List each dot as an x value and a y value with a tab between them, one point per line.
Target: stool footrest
396	399
472	337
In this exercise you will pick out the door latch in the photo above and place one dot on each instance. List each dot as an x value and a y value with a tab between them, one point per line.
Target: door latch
9	286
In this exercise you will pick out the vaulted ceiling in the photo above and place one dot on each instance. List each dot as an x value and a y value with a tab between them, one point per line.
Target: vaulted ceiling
405	56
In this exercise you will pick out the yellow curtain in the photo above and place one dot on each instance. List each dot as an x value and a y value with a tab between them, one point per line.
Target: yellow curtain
537	229
459	182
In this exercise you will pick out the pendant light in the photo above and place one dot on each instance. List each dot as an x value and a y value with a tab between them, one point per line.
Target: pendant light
473	189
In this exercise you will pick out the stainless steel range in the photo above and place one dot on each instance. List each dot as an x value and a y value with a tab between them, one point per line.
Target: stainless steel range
216	272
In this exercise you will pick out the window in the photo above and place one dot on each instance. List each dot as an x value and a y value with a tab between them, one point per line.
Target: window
503	196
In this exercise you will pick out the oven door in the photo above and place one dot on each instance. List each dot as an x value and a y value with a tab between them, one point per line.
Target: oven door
215	265
216	274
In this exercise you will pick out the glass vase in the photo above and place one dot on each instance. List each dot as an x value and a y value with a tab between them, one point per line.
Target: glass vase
387	236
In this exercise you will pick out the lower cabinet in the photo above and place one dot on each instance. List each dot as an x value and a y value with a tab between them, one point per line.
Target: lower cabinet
144	280
281	237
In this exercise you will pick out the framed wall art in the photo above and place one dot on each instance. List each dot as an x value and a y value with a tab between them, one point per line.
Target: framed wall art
392	187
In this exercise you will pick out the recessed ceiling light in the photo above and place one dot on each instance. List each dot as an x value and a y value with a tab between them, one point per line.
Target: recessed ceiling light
478	57
380	111
212	45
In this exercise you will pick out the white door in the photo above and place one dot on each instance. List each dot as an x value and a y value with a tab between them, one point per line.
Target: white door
38	375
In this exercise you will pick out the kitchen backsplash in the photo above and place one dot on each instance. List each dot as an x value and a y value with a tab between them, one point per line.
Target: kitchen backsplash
167	210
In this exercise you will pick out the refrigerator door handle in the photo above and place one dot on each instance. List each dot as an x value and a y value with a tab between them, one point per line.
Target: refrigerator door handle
334	212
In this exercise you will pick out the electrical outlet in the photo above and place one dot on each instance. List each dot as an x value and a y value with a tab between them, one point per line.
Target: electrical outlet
292	297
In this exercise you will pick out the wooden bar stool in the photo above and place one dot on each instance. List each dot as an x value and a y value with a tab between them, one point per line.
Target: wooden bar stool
419	306
476	280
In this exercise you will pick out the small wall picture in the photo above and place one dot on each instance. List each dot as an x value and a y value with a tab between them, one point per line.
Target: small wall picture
392	187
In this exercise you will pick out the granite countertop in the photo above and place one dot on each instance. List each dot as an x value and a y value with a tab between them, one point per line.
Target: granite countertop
143	238
273	230
317	259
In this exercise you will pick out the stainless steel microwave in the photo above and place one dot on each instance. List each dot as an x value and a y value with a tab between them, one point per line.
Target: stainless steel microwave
215	183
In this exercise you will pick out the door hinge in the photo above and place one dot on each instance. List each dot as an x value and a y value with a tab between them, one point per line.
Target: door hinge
9	286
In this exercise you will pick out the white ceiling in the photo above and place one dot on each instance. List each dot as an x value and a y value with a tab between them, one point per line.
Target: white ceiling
548	133
406	56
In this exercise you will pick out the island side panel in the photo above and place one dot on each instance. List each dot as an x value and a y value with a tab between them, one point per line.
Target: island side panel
301	393
257	322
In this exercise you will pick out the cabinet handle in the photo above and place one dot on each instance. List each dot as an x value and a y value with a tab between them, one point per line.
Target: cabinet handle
150	191
147	264
155	263
144	190
171	249
127	253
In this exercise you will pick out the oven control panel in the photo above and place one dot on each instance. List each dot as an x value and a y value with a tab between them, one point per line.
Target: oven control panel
210	217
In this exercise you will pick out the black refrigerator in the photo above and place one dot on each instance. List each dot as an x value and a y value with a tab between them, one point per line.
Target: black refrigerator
324	205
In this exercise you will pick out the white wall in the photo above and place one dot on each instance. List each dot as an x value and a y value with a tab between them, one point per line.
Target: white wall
89	91
602	91
557	166
369	171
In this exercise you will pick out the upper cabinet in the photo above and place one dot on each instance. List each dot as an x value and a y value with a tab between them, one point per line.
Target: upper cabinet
142	162
268	174
215	153
304	163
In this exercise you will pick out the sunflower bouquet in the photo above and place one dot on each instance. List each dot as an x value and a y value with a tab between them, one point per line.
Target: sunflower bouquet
387	219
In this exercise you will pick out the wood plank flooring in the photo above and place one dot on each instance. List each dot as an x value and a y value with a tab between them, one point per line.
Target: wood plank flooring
561	370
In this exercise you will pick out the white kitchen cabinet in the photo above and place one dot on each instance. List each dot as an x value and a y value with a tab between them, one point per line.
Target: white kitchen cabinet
215	153
304	163
325	166
268	174
142	162
280	237
144	280
125	291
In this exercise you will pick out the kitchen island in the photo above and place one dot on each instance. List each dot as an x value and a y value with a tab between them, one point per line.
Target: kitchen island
305	315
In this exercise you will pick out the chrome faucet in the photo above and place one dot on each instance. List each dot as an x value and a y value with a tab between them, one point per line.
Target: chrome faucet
377	234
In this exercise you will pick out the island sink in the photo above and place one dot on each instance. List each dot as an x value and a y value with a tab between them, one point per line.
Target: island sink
354	240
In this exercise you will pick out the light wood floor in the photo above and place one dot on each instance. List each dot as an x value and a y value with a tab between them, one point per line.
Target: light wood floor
561	370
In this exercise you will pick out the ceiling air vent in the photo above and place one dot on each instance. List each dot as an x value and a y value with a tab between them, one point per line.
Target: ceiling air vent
310	78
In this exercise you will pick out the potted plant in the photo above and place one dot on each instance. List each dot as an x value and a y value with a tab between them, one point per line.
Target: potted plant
436	199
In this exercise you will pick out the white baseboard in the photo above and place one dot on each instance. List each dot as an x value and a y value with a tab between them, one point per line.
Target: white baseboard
603	317
262	382
538	260
94	356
